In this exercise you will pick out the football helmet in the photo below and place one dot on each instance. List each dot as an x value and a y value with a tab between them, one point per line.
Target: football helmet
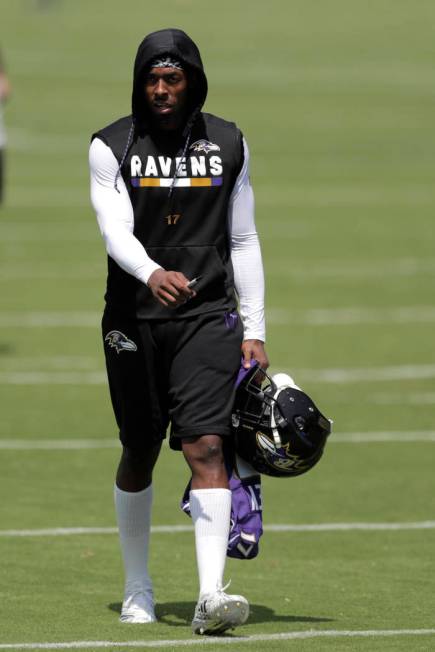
278	429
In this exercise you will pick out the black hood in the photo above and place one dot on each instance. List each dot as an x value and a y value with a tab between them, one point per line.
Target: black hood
176	43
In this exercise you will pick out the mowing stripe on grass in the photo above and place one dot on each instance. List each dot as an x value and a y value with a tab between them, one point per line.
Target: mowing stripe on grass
219	640
382	437
49	319
101	443
329	376
313	317
369	374
341	271
53	378
404	398
59	444
352	316
273	527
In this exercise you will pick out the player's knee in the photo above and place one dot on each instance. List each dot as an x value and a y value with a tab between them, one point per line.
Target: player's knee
205	453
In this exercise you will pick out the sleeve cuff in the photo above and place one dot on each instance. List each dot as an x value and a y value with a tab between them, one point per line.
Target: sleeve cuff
143	273
254	335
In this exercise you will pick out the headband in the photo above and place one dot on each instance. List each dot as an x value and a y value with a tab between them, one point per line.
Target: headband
166	62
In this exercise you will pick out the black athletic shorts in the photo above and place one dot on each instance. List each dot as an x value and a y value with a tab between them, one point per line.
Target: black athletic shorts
179	371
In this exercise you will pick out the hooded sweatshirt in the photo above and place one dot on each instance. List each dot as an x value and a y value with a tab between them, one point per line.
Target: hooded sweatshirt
180	203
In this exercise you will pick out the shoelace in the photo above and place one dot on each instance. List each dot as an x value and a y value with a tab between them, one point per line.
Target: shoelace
224	588
202	606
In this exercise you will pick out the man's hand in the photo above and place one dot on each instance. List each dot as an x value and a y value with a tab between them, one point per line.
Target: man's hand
254	349
170	288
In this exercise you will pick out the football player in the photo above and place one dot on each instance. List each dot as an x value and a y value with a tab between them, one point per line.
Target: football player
170	187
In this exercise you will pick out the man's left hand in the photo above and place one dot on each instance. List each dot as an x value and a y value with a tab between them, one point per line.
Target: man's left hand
254	349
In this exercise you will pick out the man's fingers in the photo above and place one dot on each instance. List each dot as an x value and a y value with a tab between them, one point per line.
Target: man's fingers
179	282
263	361
166	296
254	349
170	288
247	355
174	297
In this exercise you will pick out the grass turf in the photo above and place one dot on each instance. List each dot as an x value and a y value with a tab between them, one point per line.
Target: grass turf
336	100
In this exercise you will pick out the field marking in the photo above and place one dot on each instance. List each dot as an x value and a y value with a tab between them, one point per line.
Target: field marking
58	444
52	363
101	443
382	436
339	272
15	272
76	195
403	267
53	378
312	317
328	376
410	398
352	316
369	374
219	640
272	527
51	319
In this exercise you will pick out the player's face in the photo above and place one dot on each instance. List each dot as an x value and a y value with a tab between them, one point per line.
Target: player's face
166	95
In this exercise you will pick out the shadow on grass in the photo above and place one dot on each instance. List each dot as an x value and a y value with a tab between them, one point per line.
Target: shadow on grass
179	614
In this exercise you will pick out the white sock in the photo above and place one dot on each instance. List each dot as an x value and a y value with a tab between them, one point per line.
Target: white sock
133	511
211	512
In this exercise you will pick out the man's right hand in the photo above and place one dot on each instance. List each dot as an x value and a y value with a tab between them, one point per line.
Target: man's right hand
170	288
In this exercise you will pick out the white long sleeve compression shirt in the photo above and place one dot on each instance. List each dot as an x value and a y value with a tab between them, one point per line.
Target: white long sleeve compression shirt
116	221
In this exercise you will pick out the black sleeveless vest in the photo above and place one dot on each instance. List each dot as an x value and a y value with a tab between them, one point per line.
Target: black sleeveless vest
186	230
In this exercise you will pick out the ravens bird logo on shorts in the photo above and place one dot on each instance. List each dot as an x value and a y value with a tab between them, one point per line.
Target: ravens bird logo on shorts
120	342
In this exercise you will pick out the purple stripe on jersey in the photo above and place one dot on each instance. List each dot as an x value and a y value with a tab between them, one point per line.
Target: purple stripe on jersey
216	181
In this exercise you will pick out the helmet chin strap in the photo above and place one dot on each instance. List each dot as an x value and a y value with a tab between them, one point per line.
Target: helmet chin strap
275	433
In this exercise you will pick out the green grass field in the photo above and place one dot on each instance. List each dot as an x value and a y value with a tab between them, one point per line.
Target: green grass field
336	99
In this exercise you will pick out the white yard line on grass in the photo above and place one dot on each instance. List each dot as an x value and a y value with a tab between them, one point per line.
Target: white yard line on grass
273	527
352	316
342	271
369	374
381	437
220	640
50	272
339	273
328	376
58	444
314	317
50	319
53	378
101	443
404	398
351	270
